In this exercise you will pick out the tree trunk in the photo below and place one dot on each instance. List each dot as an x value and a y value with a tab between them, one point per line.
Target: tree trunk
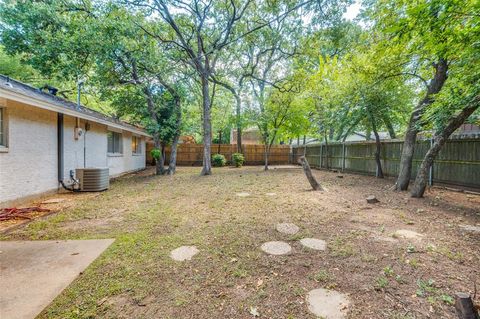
172	164
265	167
435	85
207	129
219	141
159	168
326	152
368	134
439	140
464	306
388	124
308	172
331	133
379	171
239	123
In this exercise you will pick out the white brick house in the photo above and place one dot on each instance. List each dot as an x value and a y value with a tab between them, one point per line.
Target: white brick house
39	132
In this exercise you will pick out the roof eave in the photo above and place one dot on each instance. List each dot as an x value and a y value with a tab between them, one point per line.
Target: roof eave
13	95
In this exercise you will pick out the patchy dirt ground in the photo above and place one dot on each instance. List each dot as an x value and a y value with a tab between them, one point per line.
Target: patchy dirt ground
384	275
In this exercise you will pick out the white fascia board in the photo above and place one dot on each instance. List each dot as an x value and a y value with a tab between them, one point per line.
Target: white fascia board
10	95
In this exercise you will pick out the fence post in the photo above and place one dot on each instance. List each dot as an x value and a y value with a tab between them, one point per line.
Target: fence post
343	157
321	155
430	171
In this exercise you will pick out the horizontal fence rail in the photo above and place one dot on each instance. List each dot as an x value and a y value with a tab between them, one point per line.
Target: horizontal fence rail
458	163
192	154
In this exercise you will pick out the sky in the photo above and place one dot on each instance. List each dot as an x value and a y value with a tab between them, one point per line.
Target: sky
353	10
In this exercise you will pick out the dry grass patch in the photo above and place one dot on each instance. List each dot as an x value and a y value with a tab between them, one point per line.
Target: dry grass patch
152	215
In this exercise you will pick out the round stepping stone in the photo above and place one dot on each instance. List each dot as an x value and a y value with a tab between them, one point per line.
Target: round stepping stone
276	248
372	199
328	304
184	253
408	234
243	194
470	228
313	243
386	239
287	228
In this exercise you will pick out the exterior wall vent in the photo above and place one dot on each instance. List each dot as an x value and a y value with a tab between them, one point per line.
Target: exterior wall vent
93	179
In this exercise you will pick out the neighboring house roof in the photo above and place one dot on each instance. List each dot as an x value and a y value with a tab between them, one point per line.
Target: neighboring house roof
362	136
250	135
16	90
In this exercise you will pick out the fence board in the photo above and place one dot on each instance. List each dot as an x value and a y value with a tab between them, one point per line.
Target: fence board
458	162
192	154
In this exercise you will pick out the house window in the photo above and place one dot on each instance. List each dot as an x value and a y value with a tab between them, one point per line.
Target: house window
136	145
3	128
114	145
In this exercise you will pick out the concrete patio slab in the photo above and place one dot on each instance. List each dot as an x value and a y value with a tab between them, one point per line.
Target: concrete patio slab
33	273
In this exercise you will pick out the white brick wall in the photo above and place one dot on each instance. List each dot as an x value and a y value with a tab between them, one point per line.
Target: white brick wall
30	165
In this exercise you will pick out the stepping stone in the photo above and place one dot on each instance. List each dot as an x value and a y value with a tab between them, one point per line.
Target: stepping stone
287	228
276	248
408	234
327	304
184	253
271	194
243	194
385	239
313	243
372	199
471	228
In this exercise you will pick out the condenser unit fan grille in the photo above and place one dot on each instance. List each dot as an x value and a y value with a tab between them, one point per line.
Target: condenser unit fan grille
93	179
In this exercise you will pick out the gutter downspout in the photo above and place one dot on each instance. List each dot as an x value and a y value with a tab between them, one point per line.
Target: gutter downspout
60	151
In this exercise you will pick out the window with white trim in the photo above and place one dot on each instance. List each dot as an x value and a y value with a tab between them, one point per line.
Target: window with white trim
136	145
114	145
3	127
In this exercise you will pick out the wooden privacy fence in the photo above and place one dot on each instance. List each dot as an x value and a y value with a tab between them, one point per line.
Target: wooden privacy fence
458	163
192	154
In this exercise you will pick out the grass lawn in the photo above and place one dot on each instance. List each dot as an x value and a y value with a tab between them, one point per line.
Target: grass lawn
384	275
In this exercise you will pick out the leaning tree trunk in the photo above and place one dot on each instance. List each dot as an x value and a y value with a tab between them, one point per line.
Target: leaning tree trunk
439	140
308	172
435	85
207	129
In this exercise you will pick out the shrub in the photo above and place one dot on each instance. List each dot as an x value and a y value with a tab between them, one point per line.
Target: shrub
238	159
218	160
156	153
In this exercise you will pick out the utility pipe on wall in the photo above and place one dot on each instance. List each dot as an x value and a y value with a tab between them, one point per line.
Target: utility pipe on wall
60	159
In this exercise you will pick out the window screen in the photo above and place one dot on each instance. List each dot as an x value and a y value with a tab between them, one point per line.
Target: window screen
114	144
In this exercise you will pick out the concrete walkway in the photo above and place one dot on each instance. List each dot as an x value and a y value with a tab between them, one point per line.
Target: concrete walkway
33	273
